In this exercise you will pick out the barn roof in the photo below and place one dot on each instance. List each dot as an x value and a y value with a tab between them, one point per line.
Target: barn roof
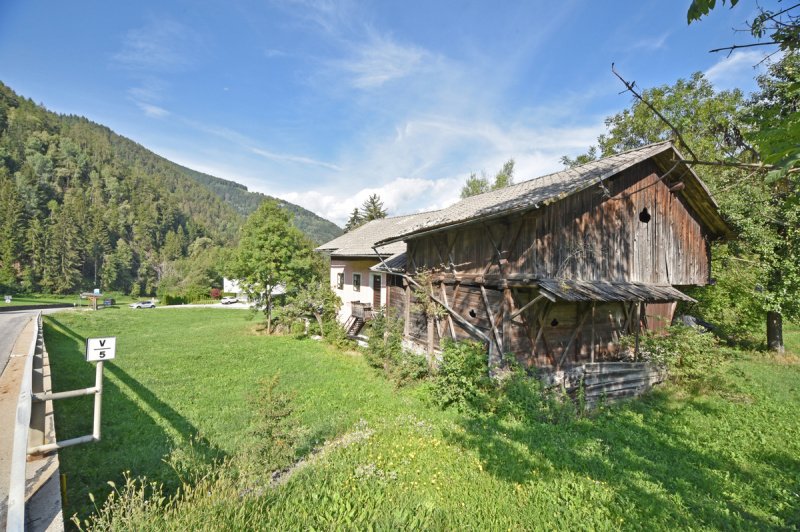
359	242
575	290
533	194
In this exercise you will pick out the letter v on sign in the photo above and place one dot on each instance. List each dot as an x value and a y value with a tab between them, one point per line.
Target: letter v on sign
99	349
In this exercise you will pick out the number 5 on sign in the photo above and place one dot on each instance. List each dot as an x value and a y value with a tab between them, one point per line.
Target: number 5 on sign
99	349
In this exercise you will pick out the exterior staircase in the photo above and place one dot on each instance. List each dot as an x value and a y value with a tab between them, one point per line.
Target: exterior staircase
360	314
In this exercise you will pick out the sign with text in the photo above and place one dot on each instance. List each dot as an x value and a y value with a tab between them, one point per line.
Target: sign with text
98	349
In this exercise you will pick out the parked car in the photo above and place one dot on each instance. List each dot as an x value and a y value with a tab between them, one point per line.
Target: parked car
143	304
228	300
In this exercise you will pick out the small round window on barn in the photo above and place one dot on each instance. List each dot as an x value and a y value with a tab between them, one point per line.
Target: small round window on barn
554	322
472	313
644	216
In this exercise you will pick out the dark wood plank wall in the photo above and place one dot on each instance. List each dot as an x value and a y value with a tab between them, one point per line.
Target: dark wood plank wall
539	335
592	235
586	236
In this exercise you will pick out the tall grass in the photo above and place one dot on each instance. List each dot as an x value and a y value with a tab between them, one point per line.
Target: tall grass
370	455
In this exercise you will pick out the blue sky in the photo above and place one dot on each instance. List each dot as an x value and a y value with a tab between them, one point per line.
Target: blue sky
323	103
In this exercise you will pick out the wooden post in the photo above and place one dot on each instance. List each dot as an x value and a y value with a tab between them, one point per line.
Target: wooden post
636	332
508	305
407	311
491	320
591	354
449	317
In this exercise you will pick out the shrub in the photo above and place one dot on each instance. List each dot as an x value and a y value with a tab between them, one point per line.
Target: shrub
173	299
523	396
462	379
216	293
298	330
688	353
273	427
385	351
336	336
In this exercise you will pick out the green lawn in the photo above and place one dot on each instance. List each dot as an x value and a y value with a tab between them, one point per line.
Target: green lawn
669	461
48	299
791	338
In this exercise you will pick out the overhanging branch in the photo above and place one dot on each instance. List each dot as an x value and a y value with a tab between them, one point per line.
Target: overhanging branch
630	87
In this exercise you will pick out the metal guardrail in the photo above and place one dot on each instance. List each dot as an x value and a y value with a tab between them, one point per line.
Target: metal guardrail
15	518
97	391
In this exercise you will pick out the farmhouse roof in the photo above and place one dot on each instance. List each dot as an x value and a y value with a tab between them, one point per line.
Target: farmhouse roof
359	242
536	193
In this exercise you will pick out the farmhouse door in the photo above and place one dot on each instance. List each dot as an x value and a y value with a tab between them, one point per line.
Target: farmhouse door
376	291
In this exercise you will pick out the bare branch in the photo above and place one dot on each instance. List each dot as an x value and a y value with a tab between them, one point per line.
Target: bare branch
730	164
736	46
629	86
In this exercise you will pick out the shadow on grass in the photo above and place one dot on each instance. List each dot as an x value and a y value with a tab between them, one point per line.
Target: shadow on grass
642	450
139	430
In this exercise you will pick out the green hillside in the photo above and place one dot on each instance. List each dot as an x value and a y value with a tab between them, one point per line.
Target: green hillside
82	207
317	228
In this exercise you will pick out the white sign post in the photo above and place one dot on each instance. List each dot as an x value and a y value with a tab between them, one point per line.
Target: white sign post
100	349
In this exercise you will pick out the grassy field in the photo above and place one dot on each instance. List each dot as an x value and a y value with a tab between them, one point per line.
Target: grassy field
791	338
48	299
185	379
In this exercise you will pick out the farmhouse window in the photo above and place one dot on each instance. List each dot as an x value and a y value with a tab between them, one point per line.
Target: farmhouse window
356	282
340	280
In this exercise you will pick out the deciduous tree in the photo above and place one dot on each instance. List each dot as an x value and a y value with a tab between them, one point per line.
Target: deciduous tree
271	253
478	185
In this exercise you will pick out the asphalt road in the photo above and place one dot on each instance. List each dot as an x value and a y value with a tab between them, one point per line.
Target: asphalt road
11	324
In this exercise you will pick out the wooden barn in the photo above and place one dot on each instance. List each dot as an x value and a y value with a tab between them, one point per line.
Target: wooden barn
556	269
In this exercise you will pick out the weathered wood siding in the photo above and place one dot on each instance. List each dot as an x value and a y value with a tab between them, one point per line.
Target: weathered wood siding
589	235
544	335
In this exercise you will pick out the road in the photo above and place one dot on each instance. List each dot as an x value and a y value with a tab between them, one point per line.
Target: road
11	324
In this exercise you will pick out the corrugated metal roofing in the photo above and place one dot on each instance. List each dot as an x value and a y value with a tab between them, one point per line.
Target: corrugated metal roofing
394	264
574	290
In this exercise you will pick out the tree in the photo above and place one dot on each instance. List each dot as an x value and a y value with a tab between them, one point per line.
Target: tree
584	158
478	185
355	221
315	299
776	137
271	253
372	209
10	222
781	26
756	274
774	114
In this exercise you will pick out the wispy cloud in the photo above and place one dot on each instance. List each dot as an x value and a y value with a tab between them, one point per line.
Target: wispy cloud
414	169
152	110
736	70
161	45
293	159
653	43
379	60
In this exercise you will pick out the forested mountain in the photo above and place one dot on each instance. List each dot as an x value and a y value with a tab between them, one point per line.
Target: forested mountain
245	202
81	207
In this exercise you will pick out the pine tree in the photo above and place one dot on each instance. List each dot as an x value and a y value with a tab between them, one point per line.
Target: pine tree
372	209
10	219
355	221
